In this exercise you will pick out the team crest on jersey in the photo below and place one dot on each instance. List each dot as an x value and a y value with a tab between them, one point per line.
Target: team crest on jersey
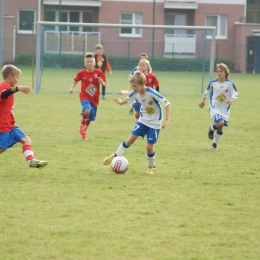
100	63
150	80
226	90
150	103
95	76
149	110
221	98
91	90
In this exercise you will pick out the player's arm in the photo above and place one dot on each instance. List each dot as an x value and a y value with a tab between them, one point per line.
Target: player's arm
11	91
73	86
119	101
167	116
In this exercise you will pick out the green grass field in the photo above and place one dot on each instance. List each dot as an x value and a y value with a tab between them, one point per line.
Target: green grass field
200	204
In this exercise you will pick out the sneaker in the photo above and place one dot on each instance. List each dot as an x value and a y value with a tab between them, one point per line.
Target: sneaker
214	146
109	159
151	170
82	129
103	96
37	164
210	133
131	110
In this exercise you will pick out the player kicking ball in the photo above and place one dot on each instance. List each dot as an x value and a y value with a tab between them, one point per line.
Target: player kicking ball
222	93
149	122
10	134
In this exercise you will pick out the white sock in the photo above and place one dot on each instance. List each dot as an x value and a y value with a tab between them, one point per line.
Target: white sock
121	149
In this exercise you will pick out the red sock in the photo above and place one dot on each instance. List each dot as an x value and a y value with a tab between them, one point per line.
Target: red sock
28	152
84	119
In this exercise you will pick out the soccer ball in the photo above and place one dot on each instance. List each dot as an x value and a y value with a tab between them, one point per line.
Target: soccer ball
119	164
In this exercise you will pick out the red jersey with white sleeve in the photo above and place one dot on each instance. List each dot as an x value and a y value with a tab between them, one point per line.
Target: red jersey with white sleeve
6	110
90	85
151	81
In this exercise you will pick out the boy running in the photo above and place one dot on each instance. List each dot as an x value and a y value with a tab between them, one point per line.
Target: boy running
222	93
90	78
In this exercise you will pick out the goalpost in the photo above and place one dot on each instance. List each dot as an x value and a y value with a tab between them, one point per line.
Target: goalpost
182	57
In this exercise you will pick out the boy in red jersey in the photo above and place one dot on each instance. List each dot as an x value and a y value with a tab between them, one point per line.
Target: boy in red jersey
10	134
90	78
102	64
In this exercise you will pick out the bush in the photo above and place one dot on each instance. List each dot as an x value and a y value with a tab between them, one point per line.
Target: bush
121	63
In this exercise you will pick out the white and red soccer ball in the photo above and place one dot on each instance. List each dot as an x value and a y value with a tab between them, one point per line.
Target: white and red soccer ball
119	164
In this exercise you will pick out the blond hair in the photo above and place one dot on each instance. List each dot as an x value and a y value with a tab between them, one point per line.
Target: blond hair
10	69
147	63
89	55
138	77
224	67
99	46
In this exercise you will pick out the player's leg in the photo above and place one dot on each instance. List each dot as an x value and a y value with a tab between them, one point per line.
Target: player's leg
19	136
104	92
86	109
138	130
152	137
219	122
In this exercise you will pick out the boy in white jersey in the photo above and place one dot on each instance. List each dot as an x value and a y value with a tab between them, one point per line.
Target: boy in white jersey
150	120
222	93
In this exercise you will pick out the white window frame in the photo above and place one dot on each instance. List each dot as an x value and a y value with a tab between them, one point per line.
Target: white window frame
34	20
136	32
218	32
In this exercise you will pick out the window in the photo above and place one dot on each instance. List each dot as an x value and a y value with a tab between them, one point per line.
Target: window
26	20
49	16
131	18
220	21
69	16
175	19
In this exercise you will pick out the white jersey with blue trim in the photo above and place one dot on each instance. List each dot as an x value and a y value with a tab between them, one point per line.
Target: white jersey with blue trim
151	113
219	93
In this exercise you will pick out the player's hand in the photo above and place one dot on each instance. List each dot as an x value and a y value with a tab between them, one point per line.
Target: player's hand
118	100
100	81
71	91
230	101
24	89
202	103
166	122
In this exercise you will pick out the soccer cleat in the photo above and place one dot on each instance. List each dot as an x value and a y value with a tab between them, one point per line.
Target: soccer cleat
103	96
151	170
210	133
214	146
131	109
109	159
37	164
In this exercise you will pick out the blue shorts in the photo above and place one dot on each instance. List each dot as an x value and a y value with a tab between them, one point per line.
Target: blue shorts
218	118
142	130
93	109
9	139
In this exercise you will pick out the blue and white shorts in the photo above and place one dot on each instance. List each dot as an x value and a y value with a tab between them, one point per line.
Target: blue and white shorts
93	109
218	118
9	139
142	130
